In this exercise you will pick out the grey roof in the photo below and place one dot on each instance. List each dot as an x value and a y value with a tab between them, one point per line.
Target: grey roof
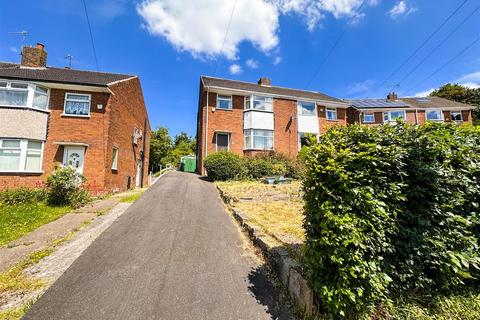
273	90
59	75
377	103
435	102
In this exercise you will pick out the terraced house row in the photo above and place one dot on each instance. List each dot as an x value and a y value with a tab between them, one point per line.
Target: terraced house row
250	118
94	122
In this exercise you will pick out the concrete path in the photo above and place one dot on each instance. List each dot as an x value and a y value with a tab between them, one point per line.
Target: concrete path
175	254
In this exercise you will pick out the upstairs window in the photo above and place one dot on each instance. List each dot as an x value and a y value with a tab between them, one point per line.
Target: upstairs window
331	114
434	115
368	117
40	98
224	102
260	103
77	104
13	94
456	116
307	108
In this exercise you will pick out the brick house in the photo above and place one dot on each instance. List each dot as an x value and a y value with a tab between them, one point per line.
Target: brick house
412	110
95	122
250	118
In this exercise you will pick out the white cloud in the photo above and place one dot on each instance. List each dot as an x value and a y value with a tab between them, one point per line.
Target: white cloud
252	63
235	69
471	80
471	85
109	9
360	87
14	49
199	26
425	93
402	8
277	60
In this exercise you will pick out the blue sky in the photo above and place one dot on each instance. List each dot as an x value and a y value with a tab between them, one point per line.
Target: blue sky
170	43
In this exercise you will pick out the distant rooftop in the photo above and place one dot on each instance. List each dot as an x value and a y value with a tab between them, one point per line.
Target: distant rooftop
377	103
415	102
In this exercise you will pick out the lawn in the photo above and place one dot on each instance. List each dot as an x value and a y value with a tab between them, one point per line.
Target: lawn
18	220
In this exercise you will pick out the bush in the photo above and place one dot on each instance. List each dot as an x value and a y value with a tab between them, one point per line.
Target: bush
22	195
259	167
224	165
391	210
65	188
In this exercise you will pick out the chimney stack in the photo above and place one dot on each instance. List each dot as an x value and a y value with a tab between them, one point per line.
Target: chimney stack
392	96
34	57
264	82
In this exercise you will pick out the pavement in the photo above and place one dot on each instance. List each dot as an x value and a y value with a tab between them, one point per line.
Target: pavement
174	254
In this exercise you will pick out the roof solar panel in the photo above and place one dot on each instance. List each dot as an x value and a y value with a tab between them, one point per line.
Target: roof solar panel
377	103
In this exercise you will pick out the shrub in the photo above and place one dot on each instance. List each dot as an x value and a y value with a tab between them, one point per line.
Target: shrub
22	195
259	167
391	210
224	165
65	188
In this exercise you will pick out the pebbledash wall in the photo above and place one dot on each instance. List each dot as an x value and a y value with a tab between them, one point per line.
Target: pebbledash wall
286	140
113	125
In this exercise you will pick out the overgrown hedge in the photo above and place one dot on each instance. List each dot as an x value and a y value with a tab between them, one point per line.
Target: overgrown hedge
389	211
225	165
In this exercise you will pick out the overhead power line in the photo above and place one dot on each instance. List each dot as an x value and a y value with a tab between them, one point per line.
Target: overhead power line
226	33
91	35
439	45
332	48
420	47
446	63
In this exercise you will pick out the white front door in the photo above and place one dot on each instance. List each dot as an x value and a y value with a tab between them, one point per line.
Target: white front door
138	177
73	157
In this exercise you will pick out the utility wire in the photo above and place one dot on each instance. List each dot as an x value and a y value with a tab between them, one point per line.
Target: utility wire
439	45
331	51
226	33
91	35
420	47
446	63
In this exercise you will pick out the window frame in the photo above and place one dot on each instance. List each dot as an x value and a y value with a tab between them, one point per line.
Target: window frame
30	90
389	117
228	139
251	99
251	135
300	108
434	120
115	152
459	112
217	105
329	109
23	148
77	115
368	113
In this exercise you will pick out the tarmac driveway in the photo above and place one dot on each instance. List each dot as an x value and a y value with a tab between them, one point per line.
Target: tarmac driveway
175	254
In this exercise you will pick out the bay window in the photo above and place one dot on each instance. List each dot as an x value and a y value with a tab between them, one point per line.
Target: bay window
20	155
40	98
77	104
434	115
258	139
307	108
22	94
261	103
392	116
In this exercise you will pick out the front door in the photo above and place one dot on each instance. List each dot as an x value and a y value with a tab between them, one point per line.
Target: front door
73	157
138	177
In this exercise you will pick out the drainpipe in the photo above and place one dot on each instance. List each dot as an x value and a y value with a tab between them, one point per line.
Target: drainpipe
416	116
206	126
360	117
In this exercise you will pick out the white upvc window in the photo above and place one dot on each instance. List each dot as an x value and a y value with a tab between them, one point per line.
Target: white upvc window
77	104
434	115
224	102
20	94
258	139
331	113
307	108
368	117
260	103
456	116
20	155
392	116
115	158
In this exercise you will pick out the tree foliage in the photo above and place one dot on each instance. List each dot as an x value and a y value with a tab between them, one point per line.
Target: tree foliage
166	150
462	94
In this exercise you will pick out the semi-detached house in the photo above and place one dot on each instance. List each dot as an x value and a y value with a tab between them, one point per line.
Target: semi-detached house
95	122
250	118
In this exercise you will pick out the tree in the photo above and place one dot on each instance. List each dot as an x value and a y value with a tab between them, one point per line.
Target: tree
160	147
459	93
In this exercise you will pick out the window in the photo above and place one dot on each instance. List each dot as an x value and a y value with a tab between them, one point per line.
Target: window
368	117
456	116
17	155
331	114
223	141
259	139
13	94
392	116
434	115
304	139
260	103
114	158
40	98
224	102
77	104
307	109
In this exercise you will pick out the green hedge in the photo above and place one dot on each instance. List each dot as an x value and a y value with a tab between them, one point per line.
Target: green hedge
391	210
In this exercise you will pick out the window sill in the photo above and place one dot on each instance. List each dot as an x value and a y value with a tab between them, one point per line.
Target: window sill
25	108
74	115
253	149
21	172
255	110
222	109
333	120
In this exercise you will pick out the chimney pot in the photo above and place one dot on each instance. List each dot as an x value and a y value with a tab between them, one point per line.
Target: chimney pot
264	81
34	57
40	46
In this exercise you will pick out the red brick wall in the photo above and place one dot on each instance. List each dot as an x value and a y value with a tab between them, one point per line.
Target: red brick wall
326	124
286	132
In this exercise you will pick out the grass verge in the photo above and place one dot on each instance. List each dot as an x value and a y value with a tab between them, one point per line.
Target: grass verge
18	220
16	313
